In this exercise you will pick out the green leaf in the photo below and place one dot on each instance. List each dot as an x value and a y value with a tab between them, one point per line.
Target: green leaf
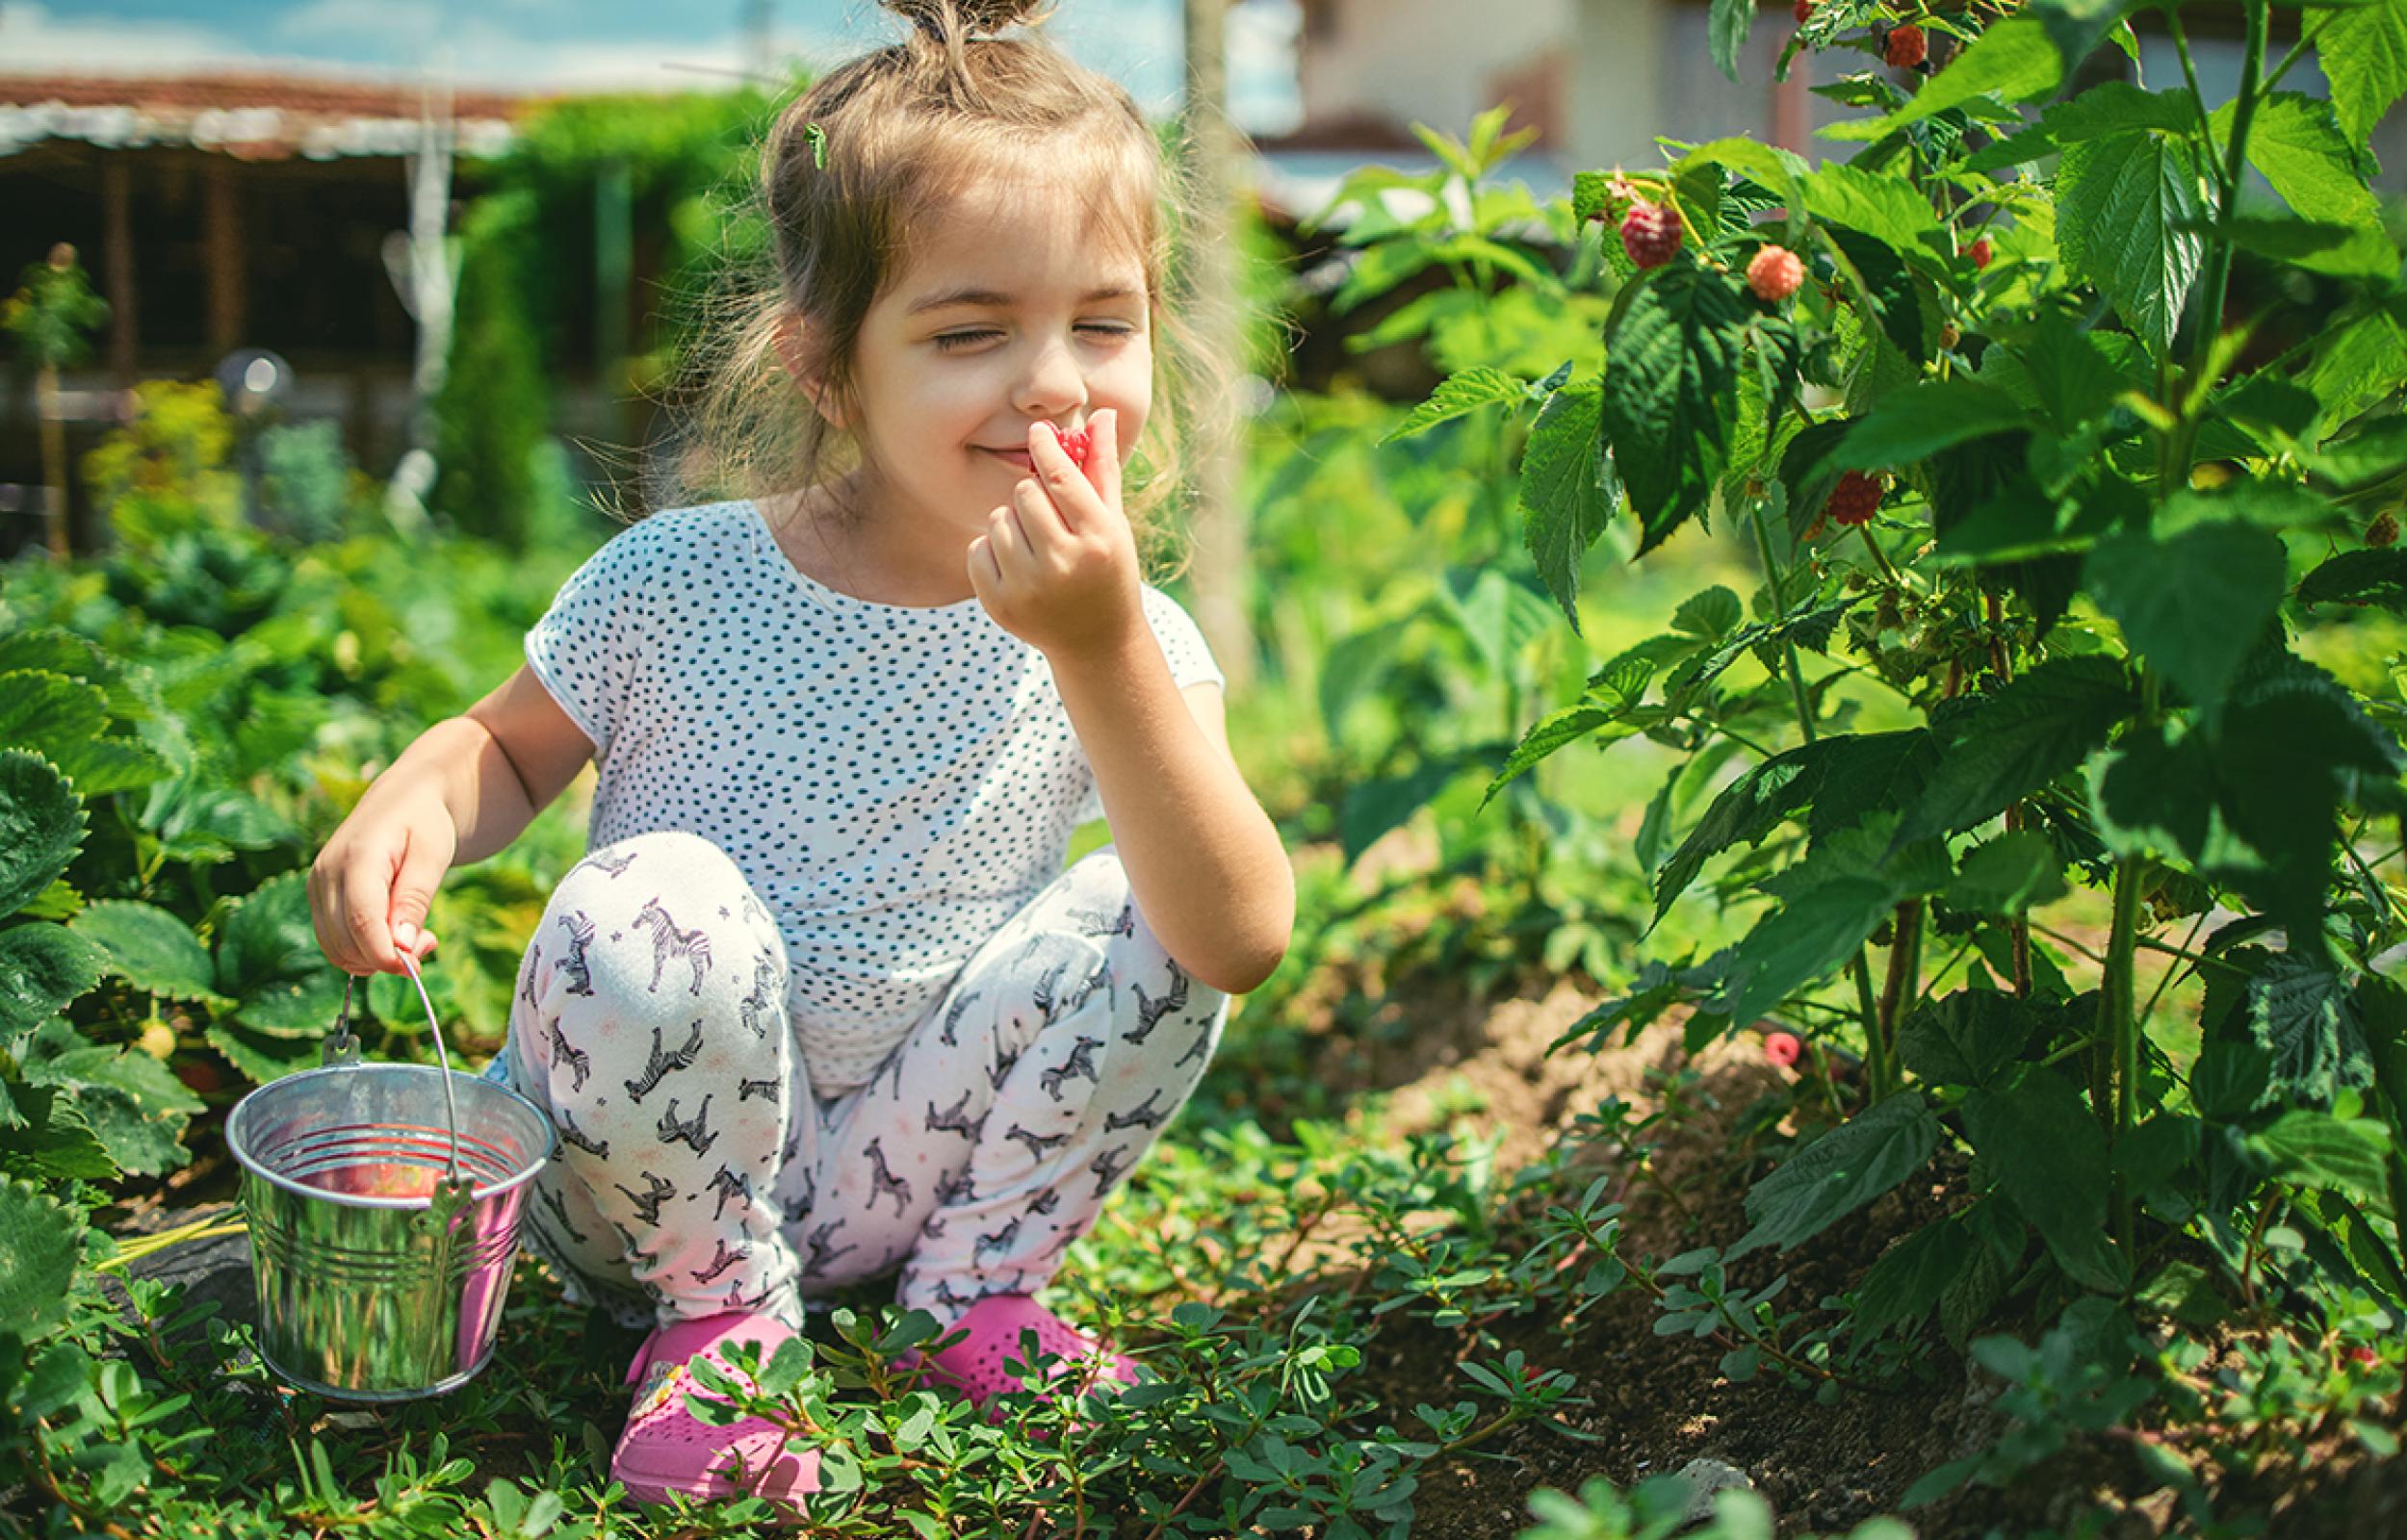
1373	808
268	937
2110	108
2123	208
2019	739
1919	421
1670	385
1459	395
2013	61
1886	207
2297	143
1569	492
1838	1174
2359	577
66	721
1726	34
42	967
2363	54
1780	170
2009	875
2360	361
1906	1284
2303	1014
2318	245
261	1057
1710	613
41	1241
1968	1037
2049	1156
42	827
1810	935
2374	452
2315	1149
1559	730
150	949
2195	603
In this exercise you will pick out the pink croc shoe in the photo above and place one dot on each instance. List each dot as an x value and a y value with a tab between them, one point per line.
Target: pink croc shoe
666	1449
974	1365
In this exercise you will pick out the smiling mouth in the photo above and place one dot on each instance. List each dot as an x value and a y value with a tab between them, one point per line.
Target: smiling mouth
1018	457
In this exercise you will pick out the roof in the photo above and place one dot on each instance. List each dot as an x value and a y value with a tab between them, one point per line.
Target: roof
258	117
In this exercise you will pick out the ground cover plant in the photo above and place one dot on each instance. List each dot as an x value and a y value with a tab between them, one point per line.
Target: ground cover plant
2028	1164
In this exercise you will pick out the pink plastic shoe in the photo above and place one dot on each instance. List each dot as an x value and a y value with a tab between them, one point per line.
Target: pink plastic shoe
666	1448
974	1365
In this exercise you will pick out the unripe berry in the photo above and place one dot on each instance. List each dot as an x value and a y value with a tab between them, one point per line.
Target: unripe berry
2384	530
1908	46
1650	234
1949	336
1854	500
1775	274
1978	251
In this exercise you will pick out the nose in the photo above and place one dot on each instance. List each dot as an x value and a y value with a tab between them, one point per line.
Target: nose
1052	385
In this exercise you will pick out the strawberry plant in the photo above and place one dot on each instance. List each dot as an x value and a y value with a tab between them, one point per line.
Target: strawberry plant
2063	553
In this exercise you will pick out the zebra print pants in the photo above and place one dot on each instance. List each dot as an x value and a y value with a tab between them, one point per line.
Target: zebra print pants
697	1172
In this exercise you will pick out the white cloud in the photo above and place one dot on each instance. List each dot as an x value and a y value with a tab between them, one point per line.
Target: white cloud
32	39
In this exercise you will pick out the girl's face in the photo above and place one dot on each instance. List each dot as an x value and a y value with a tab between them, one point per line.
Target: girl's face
1006	315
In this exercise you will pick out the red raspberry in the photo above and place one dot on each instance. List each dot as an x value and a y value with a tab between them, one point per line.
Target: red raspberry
1803	11
1076	445
1854	500
2363	1356
1908	46
1978	251
1782	1048
1650	234
1775	274
2384	530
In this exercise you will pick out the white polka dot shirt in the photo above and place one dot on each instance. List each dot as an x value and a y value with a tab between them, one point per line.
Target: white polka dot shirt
896	782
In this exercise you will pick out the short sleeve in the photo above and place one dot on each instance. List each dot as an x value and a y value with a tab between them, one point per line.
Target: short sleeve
585	646
1182	641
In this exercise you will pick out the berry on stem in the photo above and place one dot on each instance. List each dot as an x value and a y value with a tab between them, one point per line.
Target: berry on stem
2384	530
1978	251
1650	234
1775	274
1854	500
1906	46
1803	11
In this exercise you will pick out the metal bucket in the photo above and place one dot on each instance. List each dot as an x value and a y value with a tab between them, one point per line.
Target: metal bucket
383	1202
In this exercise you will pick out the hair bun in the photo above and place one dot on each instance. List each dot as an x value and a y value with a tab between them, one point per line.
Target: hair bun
977	19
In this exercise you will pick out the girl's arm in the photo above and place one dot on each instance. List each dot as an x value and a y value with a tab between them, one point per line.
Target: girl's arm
1203	858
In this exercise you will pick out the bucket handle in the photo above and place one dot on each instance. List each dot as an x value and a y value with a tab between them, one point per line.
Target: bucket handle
452	1193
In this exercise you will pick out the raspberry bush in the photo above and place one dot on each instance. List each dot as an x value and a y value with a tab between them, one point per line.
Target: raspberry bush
2101	624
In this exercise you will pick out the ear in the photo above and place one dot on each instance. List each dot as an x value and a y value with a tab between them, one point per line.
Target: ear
794	354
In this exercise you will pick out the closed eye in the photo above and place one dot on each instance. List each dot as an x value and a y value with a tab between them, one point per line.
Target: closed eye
954	340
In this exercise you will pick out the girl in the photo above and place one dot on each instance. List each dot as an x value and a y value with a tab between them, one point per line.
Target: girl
821	1002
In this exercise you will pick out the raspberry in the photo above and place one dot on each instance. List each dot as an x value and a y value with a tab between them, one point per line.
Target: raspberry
1075	444
1906	46
1949	336
1775	274
1853	500
1650	234
1782	1048
2362	1356
1978	251
2384	530
1803	11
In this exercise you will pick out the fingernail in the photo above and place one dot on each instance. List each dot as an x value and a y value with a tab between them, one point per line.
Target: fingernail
405	934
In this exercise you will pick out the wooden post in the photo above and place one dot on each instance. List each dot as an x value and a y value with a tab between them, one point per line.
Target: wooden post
221	219
53	457
117	200
1218	584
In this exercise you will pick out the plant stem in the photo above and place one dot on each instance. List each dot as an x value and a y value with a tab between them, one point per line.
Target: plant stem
2219	243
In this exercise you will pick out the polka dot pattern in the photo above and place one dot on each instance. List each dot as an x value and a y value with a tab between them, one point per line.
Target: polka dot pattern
896	782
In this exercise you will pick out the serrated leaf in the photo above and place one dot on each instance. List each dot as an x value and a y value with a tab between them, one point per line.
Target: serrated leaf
1459	395
1813	932
2009	875
2110	107
2014	61
1726	23
150	949
42	967
1560	729
1919	421
1882	206
2123	208
144	1080
2363	52
269	938
2297	143
1839	1173
1906	1283
2193	604
2049	1155
1669	390
1968	1037
2316	1149
1568	491
261	1057
42	827
2302	1013
41	1241
2359	577
2019	739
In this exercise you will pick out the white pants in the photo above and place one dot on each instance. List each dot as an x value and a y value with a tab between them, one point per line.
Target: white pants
697	1172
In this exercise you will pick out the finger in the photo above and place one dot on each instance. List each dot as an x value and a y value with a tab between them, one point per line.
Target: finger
986	575
1007	539
1102	460
1065	484
422	866
366	907
1040	522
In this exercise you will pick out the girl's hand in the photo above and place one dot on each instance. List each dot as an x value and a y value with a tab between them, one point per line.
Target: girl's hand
1057	566
369	888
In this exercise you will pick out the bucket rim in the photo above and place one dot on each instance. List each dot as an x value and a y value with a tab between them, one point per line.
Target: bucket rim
369	1200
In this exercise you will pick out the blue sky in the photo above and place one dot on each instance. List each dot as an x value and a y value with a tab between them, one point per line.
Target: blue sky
575	44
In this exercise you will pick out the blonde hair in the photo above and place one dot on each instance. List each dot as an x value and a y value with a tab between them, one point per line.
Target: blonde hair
849	170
